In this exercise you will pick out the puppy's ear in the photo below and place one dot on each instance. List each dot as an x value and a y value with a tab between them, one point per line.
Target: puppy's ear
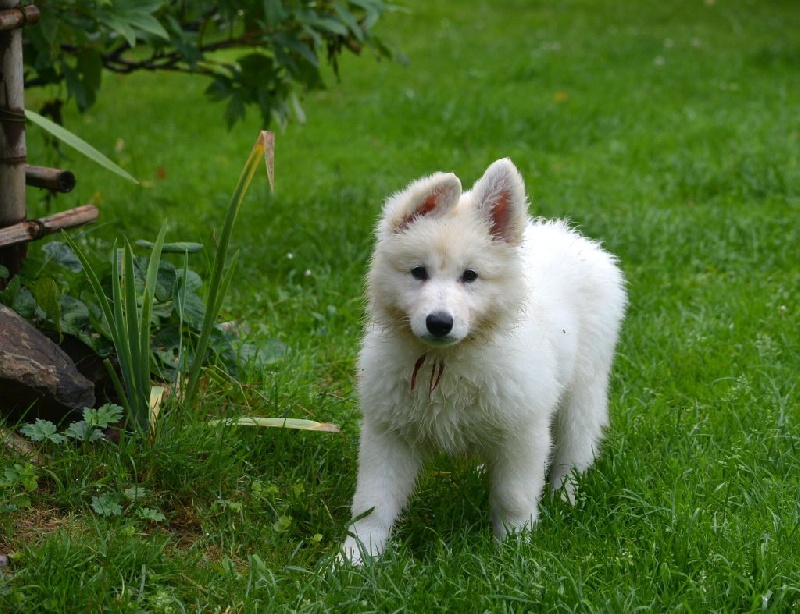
500	198
430	196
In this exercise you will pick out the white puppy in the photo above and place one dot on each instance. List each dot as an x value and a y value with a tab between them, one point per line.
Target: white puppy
488	333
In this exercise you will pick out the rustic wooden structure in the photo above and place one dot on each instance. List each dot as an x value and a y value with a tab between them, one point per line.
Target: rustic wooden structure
15	228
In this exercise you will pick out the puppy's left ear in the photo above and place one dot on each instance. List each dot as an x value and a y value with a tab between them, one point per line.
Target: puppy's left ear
500	199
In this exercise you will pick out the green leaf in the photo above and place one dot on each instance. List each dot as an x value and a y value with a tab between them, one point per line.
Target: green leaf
104	416
262	354
76	321
42	430
147	23
221	275
177	247
107	504
18	475
62	255
330	25
135	493
121	26
282	524
348	18
284	423
274	11
112	315
147	513
48	297
83	431
90	72
78	144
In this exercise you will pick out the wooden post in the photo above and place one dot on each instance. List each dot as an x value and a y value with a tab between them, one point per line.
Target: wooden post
13	151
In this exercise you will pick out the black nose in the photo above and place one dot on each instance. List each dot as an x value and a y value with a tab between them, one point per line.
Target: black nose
439	323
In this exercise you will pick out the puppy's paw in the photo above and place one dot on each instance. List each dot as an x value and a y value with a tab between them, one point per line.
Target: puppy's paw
567	492
351	555
563	486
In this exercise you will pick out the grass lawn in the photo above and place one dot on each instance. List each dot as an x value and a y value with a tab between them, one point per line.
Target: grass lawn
669	130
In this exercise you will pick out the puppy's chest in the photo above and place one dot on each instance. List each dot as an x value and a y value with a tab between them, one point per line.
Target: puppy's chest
448	408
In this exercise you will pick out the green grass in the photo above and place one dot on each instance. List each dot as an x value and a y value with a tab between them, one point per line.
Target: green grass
670	130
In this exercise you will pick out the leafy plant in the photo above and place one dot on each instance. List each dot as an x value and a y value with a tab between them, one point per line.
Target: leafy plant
129	315
86	430
107	504
17	481
280	45
130	324
53	293
110	504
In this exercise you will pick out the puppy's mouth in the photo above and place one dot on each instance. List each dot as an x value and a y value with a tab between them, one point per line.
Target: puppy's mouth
439	342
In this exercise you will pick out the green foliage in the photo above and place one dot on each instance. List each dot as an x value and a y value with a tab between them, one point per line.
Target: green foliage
91	428
107	504
280	45
17	482
43	430
54	294
128	317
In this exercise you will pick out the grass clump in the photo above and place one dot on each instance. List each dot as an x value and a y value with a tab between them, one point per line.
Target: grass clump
665	130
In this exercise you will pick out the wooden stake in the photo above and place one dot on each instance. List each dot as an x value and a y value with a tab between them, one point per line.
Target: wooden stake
30	230
13	151
49	178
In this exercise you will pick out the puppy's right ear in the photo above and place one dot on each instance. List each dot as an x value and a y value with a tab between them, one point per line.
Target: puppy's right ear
430	196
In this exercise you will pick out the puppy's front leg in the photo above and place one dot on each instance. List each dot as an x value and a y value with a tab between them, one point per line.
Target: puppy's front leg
387	471
518	468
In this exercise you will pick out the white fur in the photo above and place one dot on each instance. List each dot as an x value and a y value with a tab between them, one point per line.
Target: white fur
527	357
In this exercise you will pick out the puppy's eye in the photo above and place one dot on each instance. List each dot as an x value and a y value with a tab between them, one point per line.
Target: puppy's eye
468	276
420	273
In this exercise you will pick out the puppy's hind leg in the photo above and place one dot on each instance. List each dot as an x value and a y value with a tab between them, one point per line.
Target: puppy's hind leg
577	431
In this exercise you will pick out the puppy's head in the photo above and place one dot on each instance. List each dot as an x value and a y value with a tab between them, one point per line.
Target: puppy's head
446	265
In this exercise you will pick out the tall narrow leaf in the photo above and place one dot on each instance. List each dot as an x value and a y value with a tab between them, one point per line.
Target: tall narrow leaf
220	275
108	312
65	136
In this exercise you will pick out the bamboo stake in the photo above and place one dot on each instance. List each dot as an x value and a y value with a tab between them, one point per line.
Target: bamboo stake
49	178
18	17
13	151
30	230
